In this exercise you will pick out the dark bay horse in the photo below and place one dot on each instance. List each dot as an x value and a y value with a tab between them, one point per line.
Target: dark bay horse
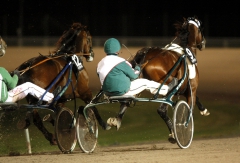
156	62
42	70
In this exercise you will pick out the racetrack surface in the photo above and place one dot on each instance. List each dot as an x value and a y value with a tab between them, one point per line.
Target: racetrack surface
219	79
201	151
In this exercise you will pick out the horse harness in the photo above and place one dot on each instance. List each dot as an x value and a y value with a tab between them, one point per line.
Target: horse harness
187	51
197	23
76	33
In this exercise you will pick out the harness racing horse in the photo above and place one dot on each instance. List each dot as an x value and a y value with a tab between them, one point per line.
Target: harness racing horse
156	62
42	70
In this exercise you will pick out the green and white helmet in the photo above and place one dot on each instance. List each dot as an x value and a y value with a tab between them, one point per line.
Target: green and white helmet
112	46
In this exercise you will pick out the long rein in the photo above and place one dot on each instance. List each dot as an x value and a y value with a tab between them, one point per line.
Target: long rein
45	60
58	56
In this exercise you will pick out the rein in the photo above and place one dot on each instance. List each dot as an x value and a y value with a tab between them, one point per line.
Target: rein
45	60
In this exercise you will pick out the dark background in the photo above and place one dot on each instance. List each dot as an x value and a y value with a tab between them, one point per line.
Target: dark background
116	17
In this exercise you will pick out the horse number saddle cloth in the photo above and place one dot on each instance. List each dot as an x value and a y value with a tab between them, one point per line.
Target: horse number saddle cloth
191	61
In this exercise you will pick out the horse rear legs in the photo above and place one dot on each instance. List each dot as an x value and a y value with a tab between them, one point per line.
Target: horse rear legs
162	111
203	110
104	125
37	121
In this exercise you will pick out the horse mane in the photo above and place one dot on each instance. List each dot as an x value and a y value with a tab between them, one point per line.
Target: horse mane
182	32
67	42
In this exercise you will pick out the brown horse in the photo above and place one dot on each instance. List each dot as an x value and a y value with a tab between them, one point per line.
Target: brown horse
42	70
156	63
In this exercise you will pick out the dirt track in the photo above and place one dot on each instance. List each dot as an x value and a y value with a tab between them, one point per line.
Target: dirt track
200	151
219	75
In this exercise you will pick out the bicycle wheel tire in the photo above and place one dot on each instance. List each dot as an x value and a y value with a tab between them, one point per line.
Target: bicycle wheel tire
87	139
65	130
183	129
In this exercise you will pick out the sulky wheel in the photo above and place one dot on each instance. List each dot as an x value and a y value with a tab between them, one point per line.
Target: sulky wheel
65	130
183	124
87	133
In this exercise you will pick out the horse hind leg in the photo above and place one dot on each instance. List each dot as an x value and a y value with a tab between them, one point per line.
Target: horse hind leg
162	111
203	110
116	121
38	123
101	122
87	98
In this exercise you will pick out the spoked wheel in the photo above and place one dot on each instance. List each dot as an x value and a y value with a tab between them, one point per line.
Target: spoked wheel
65	130
183	124
87	133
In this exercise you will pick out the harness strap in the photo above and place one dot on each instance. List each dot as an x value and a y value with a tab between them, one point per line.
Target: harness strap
28	68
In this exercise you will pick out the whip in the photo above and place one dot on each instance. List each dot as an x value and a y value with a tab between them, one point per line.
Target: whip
129	52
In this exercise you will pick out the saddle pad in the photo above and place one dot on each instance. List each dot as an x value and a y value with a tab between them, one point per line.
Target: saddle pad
180	50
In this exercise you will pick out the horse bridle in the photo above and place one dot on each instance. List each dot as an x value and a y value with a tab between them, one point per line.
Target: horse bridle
197	23
89	39
66	42
3	47
76	33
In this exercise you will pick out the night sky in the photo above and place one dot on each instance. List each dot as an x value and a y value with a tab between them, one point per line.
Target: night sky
117	17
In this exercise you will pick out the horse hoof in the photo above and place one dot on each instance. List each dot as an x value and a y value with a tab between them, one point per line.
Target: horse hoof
107	127
114	122
205	112
118	124
172	139
53	141
51	138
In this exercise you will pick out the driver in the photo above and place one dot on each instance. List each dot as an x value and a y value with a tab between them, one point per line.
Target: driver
12	93
118	78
